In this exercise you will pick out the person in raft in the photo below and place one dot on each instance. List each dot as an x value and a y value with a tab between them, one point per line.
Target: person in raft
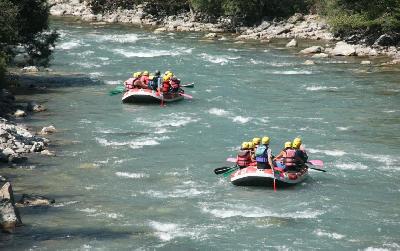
263	155
244	158
143	81
288	159
301	149
155	81
129	84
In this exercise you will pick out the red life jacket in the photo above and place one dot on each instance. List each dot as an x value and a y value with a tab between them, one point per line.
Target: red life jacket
129	83
243	158
290	157
145	80
175	83
165	86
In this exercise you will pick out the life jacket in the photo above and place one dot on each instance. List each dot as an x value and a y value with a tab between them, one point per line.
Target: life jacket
289	159
243	158
153	84
165	86
144	79
262	154
129	83
175	83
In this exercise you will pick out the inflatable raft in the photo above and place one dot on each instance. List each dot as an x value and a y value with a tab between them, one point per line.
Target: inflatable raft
251	176
149	96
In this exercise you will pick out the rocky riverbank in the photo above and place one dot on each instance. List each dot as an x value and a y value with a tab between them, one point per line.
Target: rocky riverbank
296	27
16	142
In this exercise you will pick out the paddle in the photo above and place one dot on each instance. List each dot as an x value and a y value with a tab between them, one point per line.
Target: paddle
117	90
226	174
224	169
317	169
186	95
188	85
316	162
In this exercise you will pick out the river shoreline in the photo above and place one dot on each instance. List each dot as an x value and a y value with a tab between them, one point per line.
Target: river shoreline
310	27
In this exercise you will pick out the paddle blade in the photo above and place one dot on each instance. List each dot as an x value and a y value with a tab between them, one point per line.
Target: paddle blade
317	169
233	160
186	95
229	172
224	169
117	90
188	85
316	162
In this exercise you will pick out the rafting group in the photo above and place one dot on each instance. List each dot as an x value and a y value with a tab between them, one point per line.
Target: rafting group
255	165
143	87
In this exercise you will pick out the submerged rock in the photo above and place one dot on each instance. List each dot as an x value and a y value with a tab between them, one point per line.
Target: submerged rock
292	43
312	49
308	62
48	130
19	113
365	62
34	201
30	69
34	107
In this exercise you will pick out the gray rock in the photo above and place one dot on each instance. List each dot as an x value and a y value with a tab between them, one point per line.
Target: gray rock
8	152
308	62
385	40
37	147
30	69
47	153
19	113
9	215
34	107
34	201
343	49
48	130
320	55
296	18
312	49
15	158
211	35
292	43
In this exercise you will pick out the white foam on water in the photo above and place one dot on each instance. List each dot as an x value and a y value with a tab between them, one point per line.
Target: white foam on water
301	72
388	160
245	211
123	39
103	58
63	204
96	74
240	119
351	166
132	175
172	120
334	236
342	128
145	53
177	193
321	88
68	45
134	144
328	152
218	112
88	210
376	249
85	121
222	60
166	231
112	82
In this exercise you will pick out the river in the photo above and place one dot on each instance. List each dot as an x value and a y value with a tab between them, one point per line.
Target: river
140	177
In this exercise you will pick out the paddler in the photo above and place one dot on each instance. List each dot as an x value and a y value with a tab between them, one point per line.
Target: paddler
288	157
244	158
263	154
301	149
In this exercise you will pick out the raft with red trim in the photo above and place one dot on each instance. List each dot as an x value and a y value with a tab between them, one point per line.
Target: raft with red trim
149	96
251	176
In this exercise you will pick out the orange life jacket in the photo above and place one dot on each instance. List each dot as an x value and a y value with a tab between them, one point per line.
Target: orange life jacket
289	157
243	158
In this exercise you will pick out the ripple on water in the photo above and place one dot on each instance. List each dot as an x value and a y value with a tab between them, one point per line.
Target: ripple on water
132	175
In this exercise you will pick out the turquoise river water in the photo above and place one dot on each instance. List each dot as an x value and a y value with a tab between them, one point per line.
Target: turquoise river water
140	177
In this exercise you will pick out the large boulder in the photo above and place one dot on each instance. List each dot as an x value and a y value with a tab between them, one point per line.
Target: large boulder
312	49
388	40
343	49
9	215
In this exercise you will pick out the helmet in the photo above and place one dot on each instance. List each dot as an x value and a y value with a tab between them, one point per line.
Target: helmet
251	145
265	140
297	140
157	73
170	74
296	144
166	78
256	141
245	145
167	72
145	73
288	144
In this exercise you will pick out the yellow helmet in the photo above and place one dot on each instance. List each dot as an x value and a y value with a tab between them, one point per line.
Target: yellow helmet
296	144
251	145
151	77
167	72
265	140
145	73
245	145
256	141
288	144
170	74
297	140
166	78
